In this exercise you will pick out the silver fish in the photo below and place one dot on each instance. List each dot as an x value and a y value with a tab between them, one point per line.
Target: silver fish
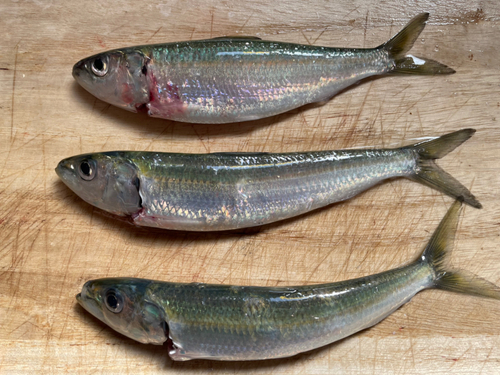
232	79
221	191
224	322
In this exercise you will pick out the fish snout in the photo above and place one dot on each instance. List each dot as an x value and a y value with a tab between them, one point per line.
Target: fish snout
64	169
78	67
87	299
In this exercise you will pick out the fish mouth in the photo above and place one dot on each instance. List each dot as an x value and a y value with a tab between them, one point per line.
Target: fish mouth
77	68
89	303
65	170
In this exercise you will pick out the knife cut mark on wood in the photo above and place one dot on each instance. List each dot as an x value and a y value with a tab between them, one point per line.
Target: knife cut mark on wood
13	95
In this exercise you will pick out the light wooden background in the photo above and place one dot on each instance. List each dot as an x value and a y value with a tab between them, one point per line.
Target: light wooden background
51	242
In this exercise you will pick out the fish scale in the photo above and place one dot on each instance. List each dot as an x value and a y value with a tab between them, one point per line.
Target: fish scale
275	75
243	323
247	191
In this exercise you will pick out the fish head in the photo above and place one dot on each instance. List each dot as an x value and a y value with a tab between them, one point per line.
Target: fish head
124	305
108	181
118	77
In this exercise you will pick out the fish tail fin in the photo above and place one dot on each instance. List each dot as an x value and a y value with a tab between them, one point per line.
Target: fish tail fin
399	45
436	255
428	173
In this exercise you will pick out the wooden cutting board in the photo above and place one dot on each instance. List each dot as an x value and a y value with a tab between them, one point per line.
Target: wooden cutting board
51	242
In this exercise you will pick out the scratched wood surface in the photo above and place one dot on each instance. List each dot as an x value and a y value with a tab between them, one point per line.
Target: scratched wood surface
51	242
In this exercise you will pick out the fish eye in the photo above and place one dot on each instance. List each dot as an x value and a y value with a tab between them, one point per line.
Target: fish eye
87	170
113	301
100	66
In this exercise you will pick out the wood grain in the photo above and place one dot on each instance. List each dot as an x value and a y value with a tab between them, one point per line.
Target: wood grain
51	242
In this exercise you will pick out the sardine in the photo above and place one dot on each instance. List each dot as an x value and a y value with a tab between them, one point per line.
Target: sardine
222	191
224	322
232	79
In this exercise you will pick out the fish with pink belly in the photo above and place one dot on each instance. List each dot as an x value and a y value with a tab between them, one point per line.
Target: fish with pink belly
233	79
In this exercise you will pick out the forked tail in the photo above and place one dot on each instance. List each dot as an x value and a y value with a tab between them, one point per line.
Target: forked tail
428	173
436	255
401	43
